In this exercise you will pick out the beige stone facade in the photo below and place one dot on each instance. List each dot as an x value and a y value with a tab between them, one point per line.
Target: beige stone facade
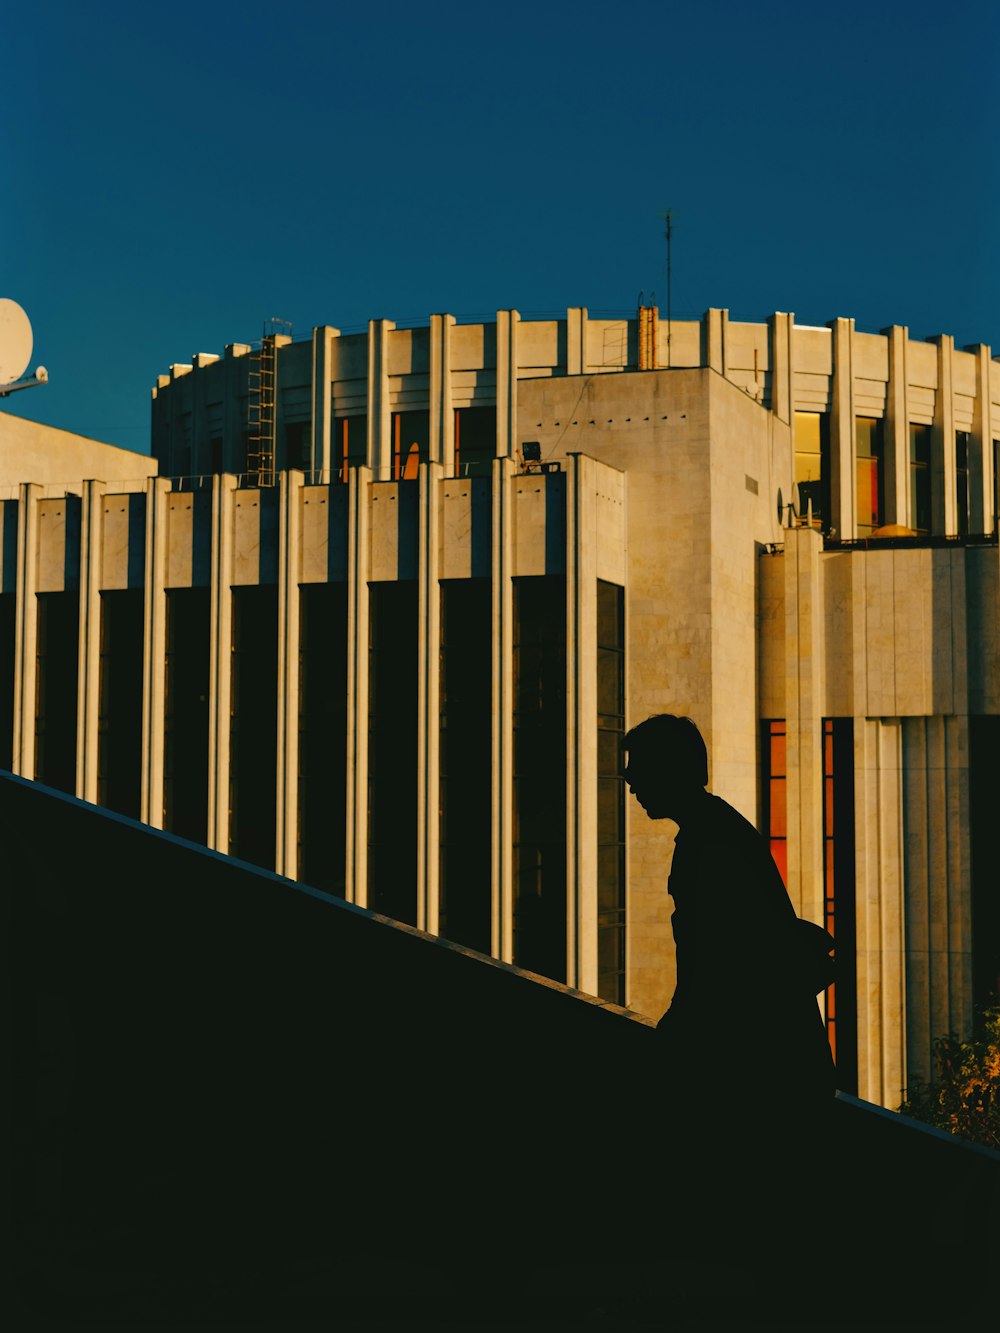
569	450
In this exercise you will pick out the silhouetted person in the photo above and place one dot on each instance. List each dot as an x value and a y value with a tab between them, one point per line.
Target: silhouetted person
744	1069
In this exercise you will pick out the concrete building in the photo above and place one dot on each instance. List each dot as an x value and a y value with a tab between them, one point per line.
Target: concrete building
384	615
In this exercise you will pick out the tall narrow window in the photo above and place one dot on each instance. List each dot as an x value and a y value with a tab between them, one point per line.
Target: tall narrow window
963	441
185	714
540	775
466	768
8	608
984	745
838	893
475	441
812	465
253	725
392	750
920	478
298	445
610	792
774	822
411	435
119	724
58	649
322	735
868	435
349	446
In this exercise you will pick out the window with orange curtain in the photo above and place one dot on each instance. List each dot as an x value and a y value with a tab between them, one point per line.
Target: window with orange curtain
411	432
774	818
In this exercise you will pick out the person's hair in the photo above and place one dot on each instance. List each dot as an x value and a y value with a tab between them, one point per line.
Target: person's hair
673	740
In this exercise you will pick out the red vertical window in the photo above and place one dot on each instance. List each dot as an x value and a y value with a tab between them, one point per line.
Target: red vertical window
774	788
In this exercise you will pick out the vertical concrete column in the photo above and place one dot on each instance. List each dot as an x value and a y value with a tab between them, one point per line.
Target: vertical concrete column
713	337
880	907
358	572
576	340
944	507
502	939
896	432
843	469
429	698
507	442
287	786
154	649
981	462
938	927
782	350
26	629
220	660
805	692
89	675
442	415
581	731
379	411
322	376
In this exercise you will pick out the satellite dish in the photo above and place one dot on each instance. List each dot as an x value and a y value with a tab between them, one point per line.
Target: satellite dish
15	341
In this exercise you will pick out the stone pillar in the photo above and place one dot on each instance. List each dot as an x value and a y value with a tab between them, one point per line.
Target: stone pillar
502	944
442	414
782	350
379	411
322	349
581	735
26	629
576	340
507	442
89	675
220	660
881	971
713	336
805	692
896	431
981	461
843	482
154	648
289	566
358	571
944	509
429	698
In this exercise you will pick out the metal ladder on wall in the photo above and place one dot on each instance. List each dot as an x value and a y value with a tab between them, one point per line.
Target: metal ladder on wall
260	414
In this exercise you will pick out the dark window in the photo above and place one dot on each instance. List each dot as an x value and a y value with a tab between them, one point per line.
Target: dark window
215	452
610	792
466	768
185	714
540	775
411	434
963	440
392	750
119	724
8	624
812	465
350	446
253	725
322	735
869	462
920	478
984	746
838	892
298	445
475	441
58	648
774	820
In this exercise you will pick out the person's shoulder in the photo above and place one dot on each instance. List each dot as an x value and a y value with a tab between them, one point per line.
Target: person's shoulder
720	815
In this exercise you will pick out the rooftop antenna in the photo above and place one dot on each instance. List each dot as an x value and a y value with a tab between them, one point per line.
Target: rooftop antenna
15	350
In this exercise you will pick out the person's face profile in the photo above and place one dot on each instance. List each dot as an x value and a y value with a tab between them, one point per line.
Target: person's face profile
649	783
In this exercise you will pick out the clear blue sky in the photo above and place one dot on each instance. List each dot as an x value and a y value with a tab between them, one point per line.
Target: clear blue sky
174	175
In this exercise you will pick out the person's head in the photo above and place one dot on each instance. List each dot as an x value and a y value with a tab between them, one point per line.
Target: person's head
667	764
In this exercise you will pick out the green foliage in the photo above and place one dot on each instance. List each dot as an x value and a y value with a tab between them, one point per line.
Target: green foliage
965	1096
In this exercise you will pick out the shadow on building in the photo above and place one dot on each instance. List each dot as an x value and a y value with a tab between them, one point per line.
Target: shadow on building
235	1098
